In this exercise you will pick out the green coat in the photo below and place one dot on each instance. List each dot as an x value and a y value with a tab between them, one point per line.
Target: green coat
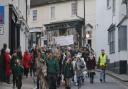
13	63
52	66
68	70
19	70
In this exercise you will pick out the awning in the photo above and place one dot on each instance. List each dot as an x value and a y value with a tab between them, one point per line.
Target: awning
64	24
35	30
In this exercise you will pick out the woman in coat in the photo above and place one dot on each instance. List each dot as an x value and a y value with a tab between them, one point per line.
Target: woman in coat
41	72
26	62
91	67
68	73
8	64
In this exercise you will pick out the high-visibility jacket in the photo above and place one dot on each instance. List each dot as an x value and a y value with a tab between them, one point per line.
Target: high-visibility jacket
103	60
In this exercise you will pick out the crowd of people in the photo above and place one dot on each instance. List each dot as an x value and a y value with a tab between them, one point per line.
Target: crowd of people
52	68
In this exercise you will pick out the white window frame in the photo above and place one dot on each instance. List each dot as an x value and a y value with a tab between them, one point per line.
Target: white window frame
108	4
122	38
74	8
52	13
111	39
34	15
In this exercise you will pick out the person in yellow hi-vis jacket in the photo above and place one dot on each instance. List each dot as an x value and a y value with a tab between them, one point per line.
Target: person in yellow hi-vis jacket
102	63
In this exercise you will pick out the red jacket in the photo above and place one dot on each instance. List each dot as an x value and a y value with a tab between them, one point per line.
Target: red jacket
7	63
27	60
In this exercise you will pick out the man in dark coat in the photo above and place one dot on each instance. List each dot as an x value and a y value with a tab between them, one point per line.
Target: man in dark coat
3	63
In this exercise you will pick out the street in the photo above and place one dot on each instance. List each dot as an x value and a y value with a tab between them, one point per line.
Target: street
110	84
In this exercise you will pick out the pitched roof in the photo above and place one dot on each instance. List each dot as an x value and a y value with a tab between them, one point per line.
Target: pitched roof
35	3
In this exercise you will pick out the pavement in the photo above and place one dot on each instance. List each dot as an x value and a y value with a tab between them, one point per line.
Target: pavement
121	77
111	83
27	84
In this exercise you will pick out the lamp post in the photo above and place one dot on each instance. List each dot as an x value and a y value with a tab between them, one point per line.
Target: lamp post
84	29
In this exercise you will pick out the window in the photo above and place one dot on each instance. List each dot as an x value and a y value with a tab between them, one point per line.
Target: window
108	4
111	38
122	38
114	7
124	1
34	15
62	32
74	8
52	12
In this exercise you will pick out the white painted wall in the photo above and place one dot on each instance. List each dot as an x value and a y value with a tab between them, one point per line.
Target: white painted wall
20	4
5	37
90	15
63	12
103	21
42	17
104	18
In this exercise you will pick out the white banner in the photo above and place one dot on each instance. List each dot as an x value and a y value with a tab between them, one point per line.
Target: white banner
64	40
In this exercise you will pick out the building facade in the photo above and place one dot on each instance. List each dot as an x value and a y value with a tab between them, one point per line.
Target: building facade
111	29
14	30
63	18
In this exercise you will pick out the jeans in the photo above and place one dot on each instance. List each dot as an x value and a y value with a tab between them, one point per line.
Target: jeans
52	80
80	79
37	82
102	75
91	75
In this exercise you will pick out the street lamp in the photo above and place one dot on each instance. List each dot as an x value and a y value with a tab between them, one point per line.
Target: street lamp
87	35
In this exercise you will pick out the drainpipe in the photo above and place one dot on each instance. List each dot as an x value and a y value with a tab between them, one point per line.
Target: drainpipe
84	29
127	8
26	11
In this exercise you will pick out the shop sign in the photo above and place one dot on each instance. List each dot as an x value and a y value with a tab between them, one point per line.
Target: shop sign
1	14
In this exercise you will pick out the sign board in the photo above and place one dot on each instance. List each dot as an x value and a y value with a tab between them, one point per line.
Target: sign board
1	30
1	14
64	40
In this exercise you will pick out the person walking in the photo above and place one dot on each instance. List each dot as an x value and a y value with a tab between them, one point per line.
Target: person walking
79	66
41	72
102	63
19	73
68	73
52	70
8	65
3	73
91	67
13	67
27	62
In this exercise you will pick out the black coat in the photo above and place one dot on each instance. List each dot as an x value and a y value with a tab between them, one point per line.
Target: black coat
91	64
